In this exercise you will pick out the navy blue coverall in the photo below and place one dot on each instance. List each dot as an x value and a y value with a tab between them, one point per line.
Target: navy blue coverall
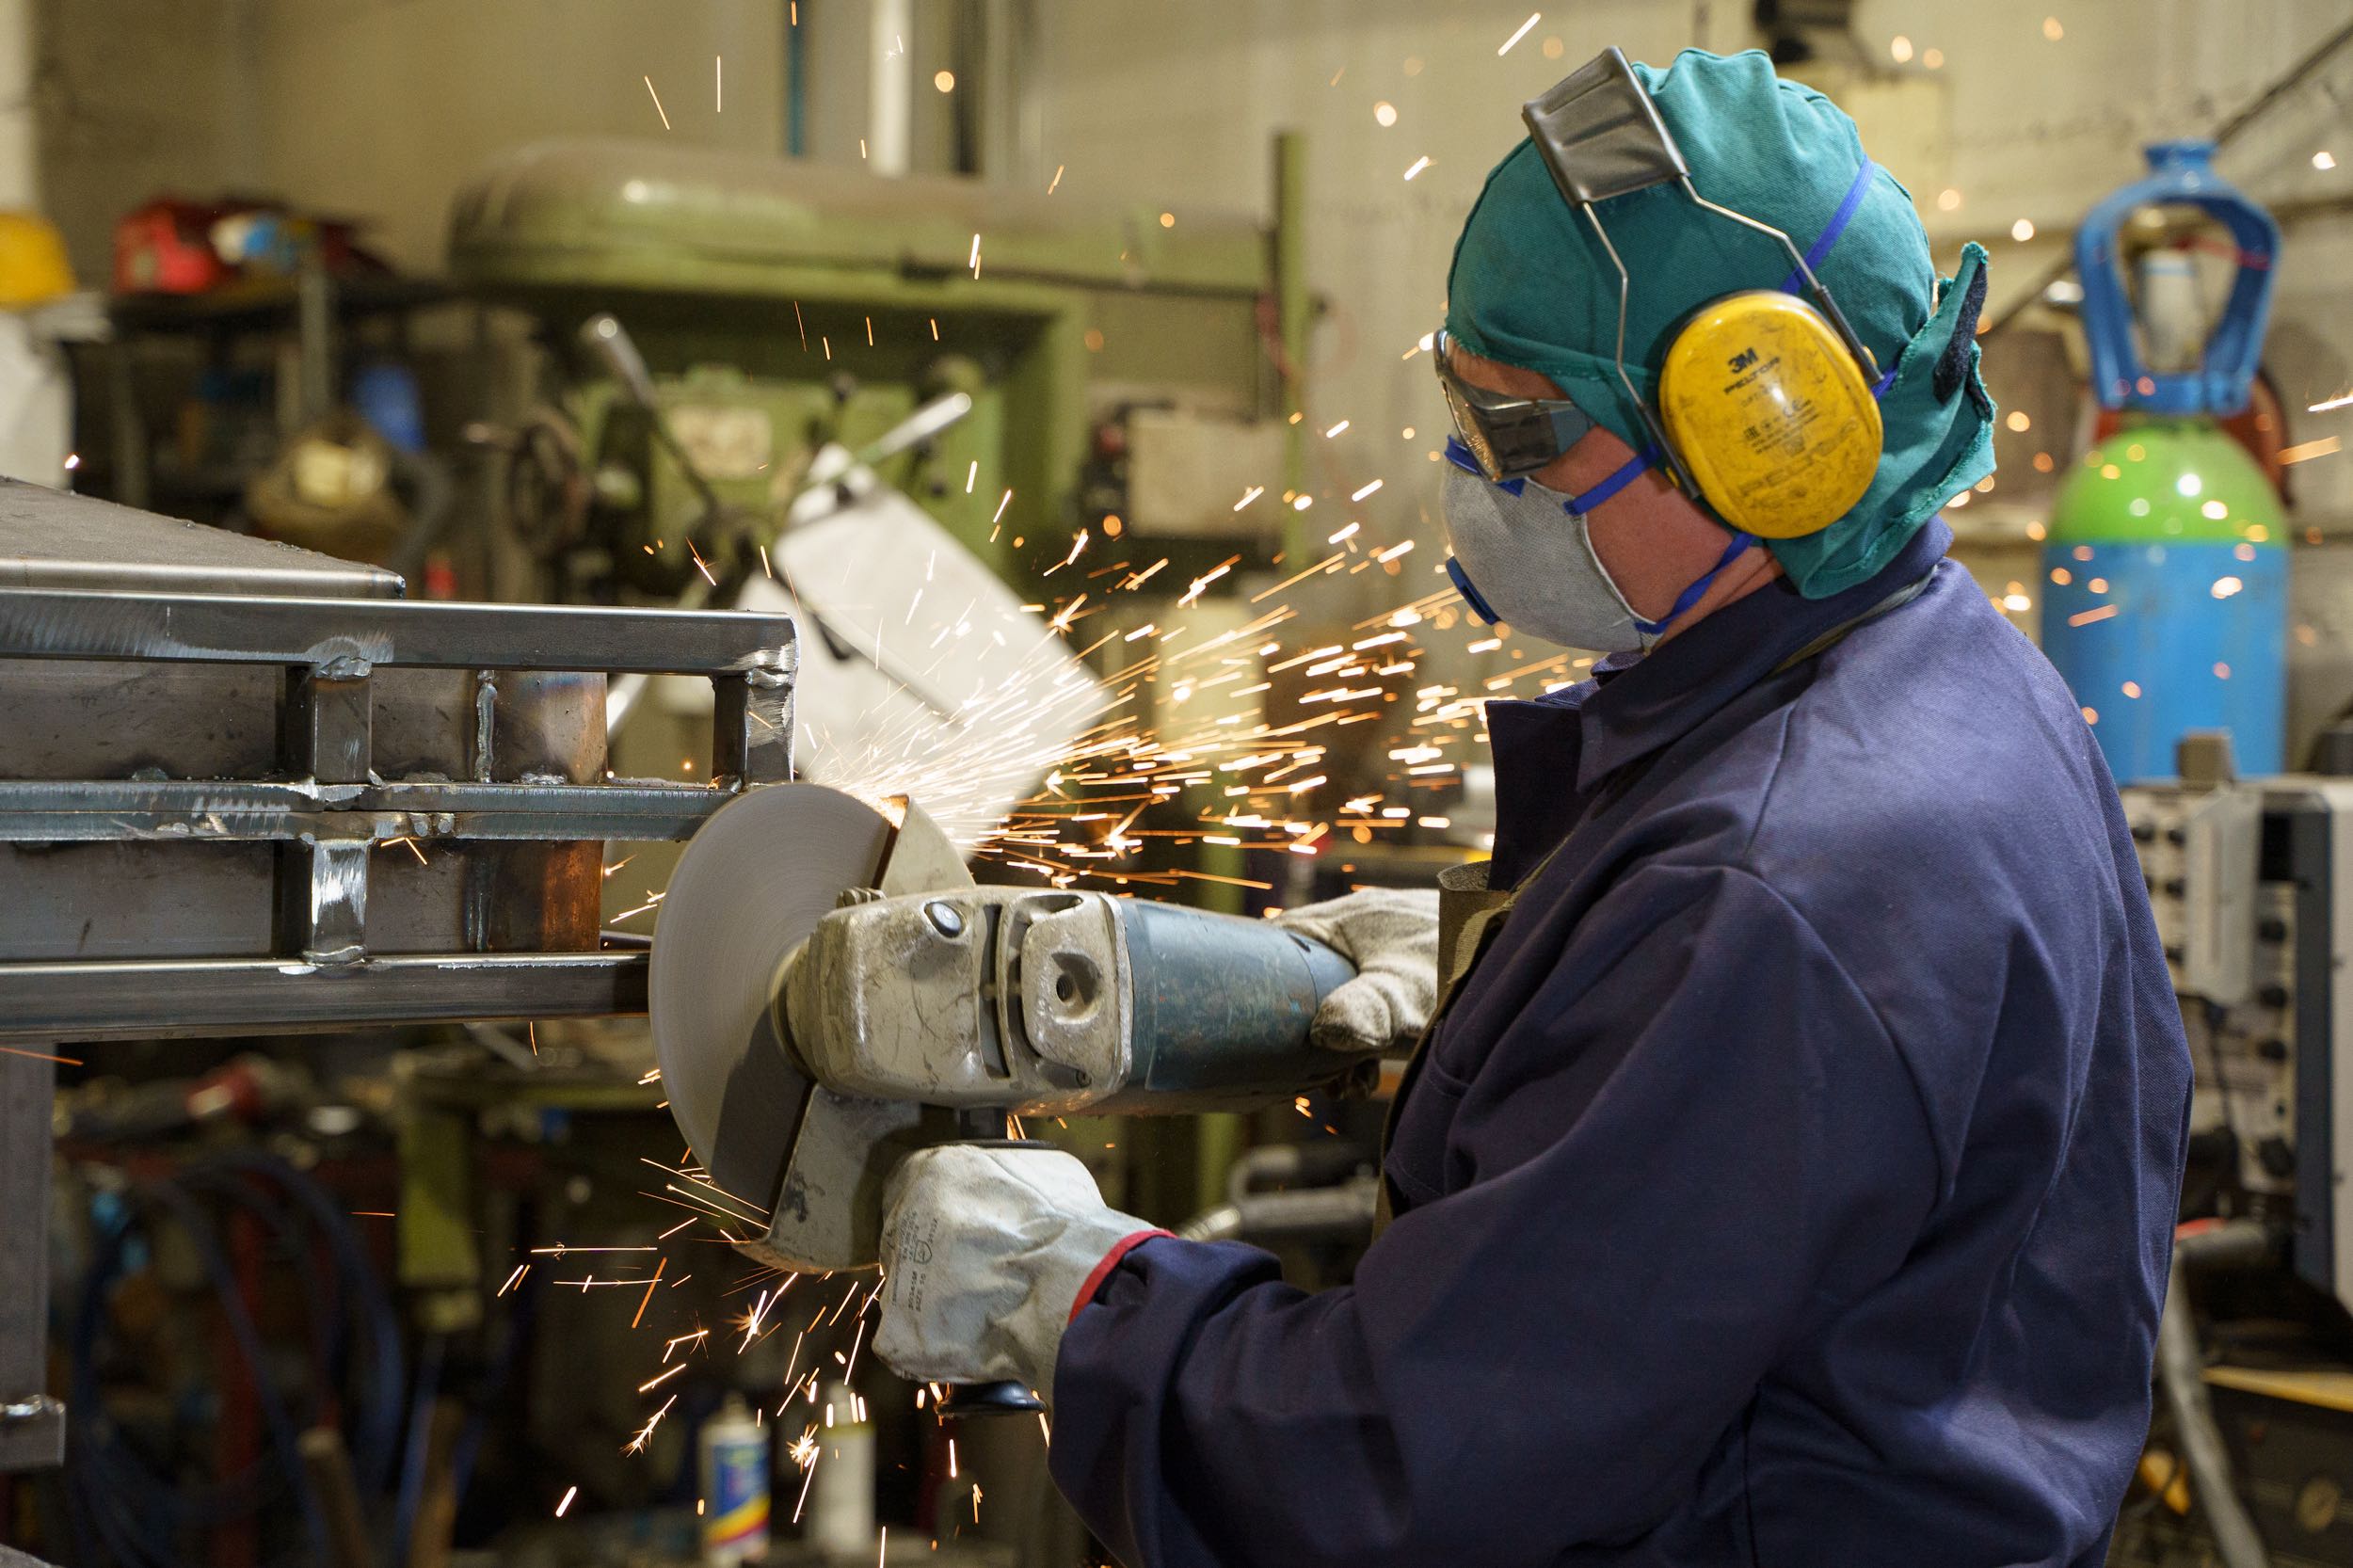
1791	1183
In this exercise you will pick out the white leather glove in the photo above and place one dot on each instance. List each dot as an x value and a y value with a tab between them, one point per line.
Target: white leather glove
1391	935
985	1251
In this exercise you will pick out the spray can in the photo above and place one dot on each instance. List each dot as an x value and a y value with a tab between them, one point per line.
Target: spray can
734	1467
842	1506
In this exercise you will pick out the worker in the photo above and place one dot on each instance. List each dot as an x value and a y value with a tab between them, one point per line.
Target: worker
1791	1177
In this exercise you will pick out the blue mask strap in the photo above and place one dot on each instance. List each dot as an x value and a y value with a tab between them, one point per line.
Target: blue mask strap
1818	252
1579	504
1691	596
1461	579
1624	475
1460	456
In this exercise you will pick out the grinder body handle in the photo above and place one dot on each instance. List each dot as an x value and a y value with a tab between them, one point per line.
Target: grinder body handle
1222	1005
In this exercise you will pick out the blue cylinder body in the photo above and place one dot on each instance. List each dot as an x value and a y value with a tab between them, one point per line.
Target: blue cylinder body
2158	654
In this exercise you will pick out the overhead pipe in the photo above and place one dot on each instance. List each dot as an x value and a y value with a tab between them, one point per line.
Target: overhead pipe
890	87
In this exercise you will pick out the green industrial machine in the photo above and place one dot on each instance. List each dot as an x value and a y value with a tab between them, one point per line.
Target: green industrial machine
782	305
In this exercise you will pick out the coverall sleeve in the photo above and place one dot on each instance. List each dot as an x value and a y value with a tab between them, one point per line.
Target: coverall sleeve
1694	1141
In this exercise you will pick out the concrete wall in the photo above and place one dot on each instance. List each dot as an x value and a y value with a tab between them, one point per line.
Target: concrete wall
138	97
375	109
383	106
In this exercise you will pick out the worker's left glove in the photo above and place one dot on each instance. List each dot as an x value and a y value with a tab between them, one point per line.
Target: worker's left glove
1391	935
986	1252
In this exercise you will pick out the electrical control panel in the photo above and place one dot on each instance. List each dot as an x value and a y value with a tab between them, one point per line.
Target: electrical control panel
2197	852
2246	884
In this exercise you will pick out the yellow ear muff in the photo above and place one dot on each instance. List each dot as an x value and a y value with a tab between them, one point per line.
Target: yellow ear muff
1770	414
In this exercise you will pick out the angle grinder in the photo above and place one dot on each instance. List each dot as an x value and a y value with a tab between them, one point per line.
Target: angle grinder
831	991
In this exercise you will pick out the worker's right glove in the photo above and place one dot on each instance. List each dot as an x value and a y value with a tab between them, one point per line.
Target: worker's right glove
1391	935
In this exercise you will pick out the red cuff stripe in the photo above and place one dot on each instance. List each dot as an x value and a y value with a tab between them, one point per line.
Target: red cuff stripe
1101	1272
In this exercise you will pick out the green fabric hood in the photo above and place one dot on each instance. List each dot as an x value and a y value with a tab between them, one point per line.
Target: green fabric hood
1531	286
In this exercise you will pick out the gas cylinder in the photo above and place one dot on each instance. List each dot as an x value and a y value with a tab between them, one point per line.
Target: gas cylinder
2166	559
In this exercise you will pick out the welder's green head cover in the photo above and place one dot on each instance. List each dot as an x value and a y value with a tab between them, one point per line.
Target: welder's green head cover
1531	286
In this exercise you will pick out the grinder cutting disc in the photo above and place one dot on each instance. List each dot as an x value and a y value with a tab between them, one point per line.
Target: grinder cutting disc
755	880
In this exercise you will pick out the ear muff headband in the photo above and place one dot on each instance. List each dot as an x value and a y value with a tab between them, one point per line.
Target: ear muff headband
1774	417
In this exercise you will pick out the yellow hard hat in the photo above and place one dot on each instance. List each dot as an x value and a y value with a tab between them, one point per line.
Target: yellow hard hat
33	268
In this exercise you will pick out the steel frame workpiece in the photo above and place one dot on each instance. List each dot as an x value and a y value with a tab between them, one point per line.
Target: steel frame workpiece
327	809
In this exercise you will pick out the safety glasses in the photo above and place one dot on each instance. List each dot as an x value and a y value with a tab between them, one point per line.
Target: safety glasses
1507	437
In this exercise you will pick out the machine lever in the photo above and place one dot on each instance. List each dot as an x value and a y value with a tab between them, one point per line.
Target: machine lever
605	337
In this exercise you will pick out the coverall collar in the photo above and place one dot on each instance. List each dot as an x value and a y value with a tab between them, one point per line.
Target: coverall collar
1639	703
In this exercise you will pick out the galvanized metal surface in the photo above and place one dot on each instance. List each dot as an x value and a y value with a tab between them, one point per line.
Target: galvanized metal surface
114	719
56	539
263	912
169	1000
234	629
246	811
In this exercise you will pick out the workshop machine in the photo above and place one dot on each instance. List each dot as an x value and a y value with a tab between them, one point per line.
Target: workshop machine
783	305
1137	379
2251	883
924	663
